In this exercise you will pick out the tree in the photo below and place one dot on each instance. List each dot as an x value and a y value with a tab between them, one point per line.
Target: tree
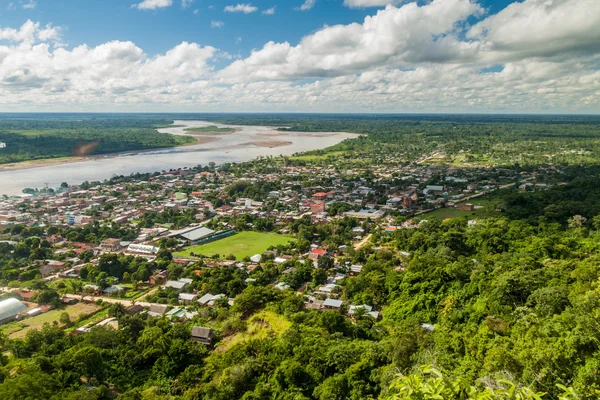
65	319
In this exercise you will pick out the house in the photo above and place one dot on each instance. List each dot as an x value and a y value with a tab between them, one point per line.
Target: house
157	310
134	309
187	298
434	189
209	299
466	207
332	304
114	289
315	254
177	285
317	207
356	269
202	335
256	258
111	245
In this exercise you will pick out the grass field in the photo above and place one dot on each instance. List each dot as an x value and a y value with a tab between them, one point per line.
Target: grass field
18	329
488	203
243	244
312	158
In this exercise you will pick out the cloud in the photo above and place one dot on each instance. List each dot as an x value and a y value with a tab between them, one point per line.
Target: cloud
307	5
186	3
216	24
540	28
269	11
152	4
369	3
435	57
31	32
393	37
244	8
196	11
28	4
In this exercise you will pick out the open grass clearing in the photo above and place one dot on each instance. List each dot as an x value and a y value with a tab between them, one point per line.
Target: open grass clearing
317	157
18	329
485	207
241	245
260	326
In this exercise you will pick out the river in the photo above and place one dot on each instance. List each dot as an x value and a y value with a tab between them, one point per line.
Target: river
246	143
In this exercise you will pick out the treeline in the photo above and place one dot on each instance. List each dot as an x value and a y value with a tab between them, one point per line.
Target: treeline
37	138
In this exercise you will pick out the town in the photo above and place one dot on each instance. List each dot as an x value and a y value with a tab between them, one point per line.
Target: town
175	242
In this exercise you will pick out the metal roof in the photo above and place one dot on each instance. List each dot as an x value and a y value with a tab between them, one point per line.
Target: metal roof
332	303
195	233
10	308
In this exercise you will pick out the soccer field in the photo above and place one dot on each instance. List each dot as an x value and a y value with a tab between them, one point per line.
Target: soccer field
243	244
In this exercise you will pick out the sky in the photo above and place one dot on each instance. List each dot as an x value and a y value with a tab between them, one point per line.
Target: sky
384	56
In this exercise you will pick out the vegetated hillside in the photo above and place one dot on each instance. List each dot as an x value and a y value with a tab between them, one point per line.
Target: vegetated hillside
507	299
46	137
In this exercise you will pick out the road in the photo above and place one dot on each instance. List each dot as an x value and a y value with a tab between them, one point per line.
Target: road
362	242
126	303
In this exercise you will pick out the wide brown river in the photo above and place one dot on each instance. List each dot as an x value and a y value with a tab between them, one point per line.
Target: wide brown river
246	143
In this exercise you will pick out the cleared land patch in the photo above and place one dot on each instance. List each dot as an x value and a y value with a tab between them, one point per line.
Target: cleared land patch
18	329
259	326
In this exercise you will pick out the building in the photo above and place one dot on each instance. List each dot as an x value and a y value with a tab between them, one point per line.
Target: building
466	207
187	298
177	285
332	304
203	335
317	207
157	310
111	245
10	309
200	235
142	249
315	254
365	214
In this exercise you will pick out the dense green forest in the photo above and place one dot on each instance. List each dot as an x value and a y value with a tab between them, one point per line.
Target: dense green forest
45	136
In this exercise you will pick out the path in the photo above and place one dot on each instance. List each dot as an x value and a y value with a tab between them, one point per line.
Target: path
362	242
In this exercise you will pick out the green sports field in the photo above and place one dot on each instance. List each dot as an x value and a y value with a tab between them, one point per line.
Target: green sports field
243	244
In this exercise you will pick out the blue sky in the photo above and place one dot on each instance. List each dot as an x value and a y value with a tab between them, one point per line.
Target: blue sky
181	55
97	21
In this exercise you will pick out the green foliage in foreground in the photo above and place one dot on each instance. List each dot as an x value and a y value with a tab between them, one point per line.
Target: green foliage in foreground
430	383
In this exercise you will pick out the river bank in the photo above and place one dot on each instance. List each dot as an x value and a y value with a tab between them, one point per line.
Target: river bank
246	143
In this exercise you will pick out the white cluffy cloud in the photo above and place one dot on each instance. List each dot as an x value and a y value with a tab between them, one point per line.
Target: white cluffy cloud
216	24
153	4
533	56
28	4
31	32
369	3
307	5
269	11
243	8
186	3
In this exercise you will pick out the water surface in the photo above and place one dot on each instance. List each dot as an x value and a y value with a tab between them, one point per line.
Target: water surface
248	142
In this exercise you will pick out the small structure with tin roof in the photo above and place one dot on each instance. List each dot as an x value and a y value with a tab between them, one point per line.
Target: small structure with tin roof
203	335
